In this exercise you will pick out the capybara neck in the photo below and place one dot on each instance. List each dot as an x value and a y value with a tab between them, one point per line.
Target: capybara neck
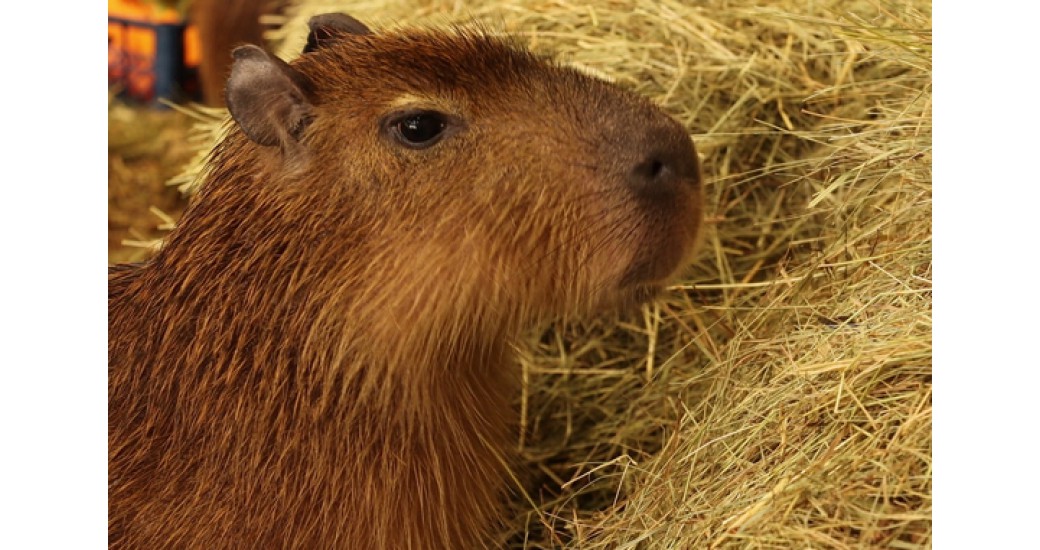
301	339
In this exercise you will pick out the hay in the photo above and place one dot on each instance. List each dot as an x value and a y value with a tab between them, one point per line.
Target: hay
146	147
781	396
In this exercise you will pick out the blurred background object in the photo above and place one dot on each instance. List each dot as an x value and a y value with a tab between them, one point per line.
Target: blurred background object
153	52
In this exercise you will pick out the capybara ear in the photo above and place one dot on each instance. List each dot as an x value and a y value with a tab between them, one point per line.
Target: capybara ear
330	26
267	98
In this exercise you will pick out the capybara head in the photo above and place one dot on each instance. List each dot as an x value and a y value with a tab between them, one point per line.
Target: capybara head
469	170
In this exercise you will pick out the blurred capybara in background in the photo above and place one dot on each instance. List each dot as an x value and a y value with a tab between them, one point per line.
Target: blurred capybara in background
223	25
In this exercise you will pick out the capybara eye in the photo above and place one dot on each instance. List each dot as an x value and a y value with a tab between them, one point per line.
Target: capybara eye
420	130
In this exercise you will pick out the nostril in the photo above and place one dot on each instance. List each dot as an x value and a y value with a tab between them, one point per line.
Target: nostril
656	167
662	162
652	176
650	169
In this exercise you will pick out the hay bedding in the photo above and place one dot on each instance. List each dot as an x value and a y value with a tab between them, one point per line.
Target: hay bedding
146	148
780	397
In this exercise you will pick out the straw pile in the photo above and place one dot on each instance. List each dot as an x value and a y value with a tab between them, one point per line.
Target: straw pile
146	147
780	397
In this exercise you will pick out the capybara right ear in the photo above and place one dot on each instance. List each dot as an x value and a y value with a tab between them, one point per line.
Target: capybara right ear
327	27
267	98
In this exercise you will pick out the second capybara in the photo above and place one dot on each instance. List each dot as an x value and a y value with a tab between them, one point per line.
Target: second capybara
223	25
319	355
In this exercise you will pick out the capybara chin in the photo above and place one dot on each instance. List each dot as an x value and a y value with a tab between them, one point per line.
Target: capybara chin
318	357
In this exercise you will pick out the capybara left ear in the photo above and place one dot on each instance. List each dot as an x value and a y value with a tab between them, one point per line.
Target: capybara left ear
267	98
328	27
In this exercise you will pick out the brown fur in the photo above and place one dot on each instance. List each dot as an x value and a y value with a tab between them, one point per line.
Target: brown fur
222	25
319	355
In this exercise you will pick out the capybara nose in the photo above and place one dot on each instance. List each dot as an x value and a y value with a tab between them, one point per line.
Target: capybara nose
670	164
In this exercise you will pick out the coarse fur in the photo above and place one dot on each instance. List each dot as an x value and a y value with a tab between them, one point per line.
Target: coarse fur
318	357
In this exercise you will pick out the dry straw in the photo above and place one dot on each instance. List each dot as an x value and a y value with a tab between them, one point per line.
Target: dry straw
780	397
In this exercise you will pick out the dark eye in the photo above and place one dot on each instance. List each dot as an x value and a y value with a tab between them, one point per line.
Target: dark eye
419	130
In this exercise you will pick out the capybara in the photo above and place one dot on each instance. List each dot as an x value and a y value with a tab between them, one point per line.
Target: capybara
223	25
319	355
